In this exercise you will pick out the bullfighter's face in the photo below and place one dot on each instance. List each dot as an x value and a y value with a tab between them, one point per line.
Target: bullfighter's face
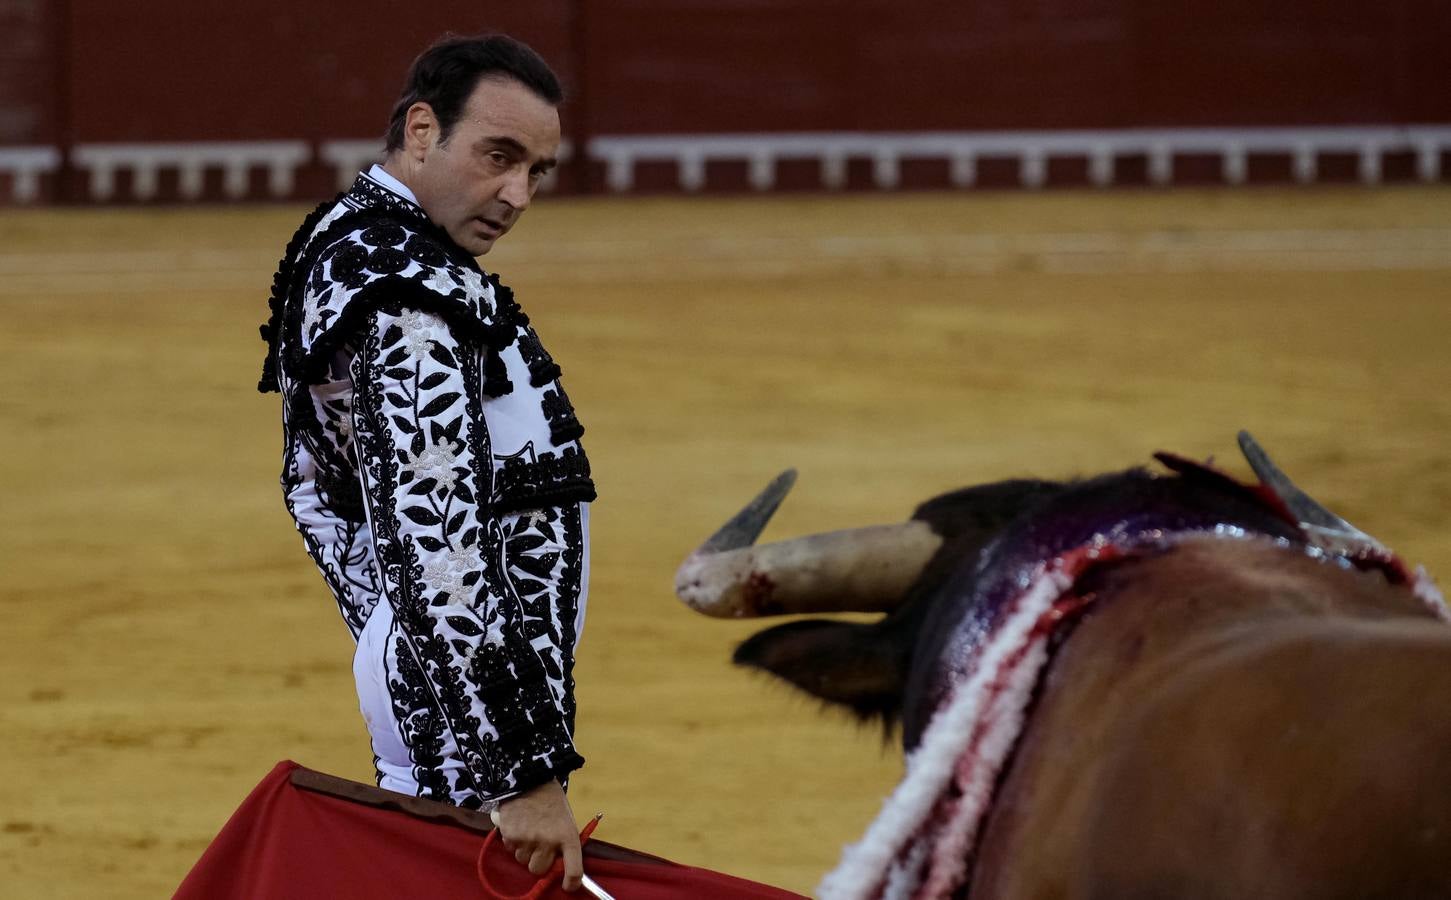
478	182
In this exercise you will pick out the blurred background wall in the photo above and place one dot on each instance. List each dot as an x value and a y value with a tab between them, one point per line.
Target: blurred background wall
173	99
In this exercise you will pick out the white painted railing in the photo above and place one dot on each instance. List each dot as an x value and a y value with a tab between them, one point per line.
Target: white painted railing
1031	150
348	158
691	154
236	159
25	165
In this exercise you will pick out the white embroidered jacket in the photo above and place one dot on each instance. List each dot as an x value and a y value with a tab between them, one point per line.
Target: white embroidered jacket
430	453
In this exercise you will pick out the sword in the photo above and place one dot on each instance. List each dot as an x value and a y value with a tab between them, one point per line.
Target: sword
589	883
594	888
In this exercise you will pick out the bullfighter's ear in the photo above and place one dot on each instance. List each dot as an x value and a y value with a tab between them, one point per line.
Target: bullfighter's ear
842	663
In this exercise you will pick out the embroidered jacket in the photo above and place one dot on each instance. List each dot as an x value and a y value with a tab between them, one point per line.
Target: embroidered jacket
427	443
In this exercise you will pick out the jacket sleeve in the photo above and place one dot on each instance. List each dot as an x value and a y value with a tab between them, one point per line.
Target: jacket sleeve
424	460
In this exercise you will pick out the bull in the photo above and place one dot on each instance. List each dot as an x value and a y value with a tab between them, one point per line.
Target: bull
1139	685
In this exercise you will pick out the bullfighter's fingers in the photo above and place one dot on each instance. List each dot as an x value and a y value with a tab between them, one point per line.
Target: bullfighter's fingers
540	862
573	865
503	838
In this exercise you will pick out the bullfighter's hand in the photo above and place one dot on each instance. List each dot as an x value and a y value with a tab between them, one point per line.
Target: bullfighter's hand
537	825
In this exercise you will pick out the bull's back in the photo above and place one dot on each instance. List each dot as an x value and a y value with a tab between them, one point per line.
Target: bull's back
1314	762
1234	720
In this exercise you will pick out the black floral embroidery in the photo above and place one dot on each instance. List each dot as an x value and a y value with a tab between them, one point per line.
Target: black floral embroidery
342	550
314	327
366	193
542	368
485	655
544	567
420	725
388	261
349	267
288	271
427	461
563	425
496	376
543	479
425	252
387	234
410	589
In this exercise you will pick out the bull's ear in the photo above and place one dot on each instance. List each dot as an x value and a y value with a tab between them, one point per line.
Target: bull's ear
857	666
981	510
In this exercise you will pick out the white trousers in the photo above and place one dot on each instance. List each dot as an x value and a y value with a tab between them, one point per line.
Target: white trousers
375	664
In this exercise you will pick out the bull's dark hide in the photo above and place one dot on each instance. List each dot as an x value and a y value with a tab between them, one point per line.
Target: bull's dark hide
1128	510
994	535
1234	698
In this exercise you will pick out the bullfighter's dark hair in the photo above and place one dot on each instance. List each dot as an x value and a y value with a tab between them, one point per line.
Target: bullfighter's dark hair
444	76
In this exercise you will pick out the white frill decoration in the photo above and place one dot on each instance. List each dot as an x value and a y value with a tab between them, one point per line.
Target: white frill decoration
991	701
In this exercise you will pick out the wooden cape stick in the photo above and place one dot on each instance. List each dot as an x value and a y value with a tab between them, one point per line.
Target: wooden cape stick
443	813
368	795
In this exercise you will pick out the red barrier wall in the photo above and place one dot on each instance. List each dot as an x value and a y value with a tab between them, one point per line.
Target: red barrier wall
176	70
28	72
731	65
171	70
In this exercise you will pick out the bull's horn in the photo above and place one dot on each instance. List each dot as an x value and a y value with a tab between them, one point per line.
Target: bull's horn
745	526
1324	528
858	570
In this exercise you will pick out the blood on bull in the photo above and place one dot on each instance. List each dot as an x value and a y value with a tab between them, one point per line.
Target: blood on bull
1138	685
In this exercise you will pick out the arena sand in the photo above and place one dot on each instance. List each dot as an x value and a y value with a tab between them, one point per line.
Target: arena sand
167	640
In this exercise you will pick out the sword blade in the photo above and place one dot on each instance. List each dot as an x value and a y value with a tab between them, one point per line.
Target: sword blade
594	888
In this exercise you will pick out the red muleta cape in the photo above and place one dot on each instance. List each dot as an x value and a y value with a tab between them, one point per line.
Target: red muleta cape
285	841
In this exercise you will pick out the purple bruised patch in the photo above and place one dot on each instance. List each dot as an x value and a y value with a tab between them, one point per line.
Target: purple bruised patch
1129	510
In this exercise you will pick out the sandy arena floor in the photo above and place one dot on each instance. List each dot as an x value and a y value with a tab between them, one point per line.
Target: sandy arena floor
166	640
